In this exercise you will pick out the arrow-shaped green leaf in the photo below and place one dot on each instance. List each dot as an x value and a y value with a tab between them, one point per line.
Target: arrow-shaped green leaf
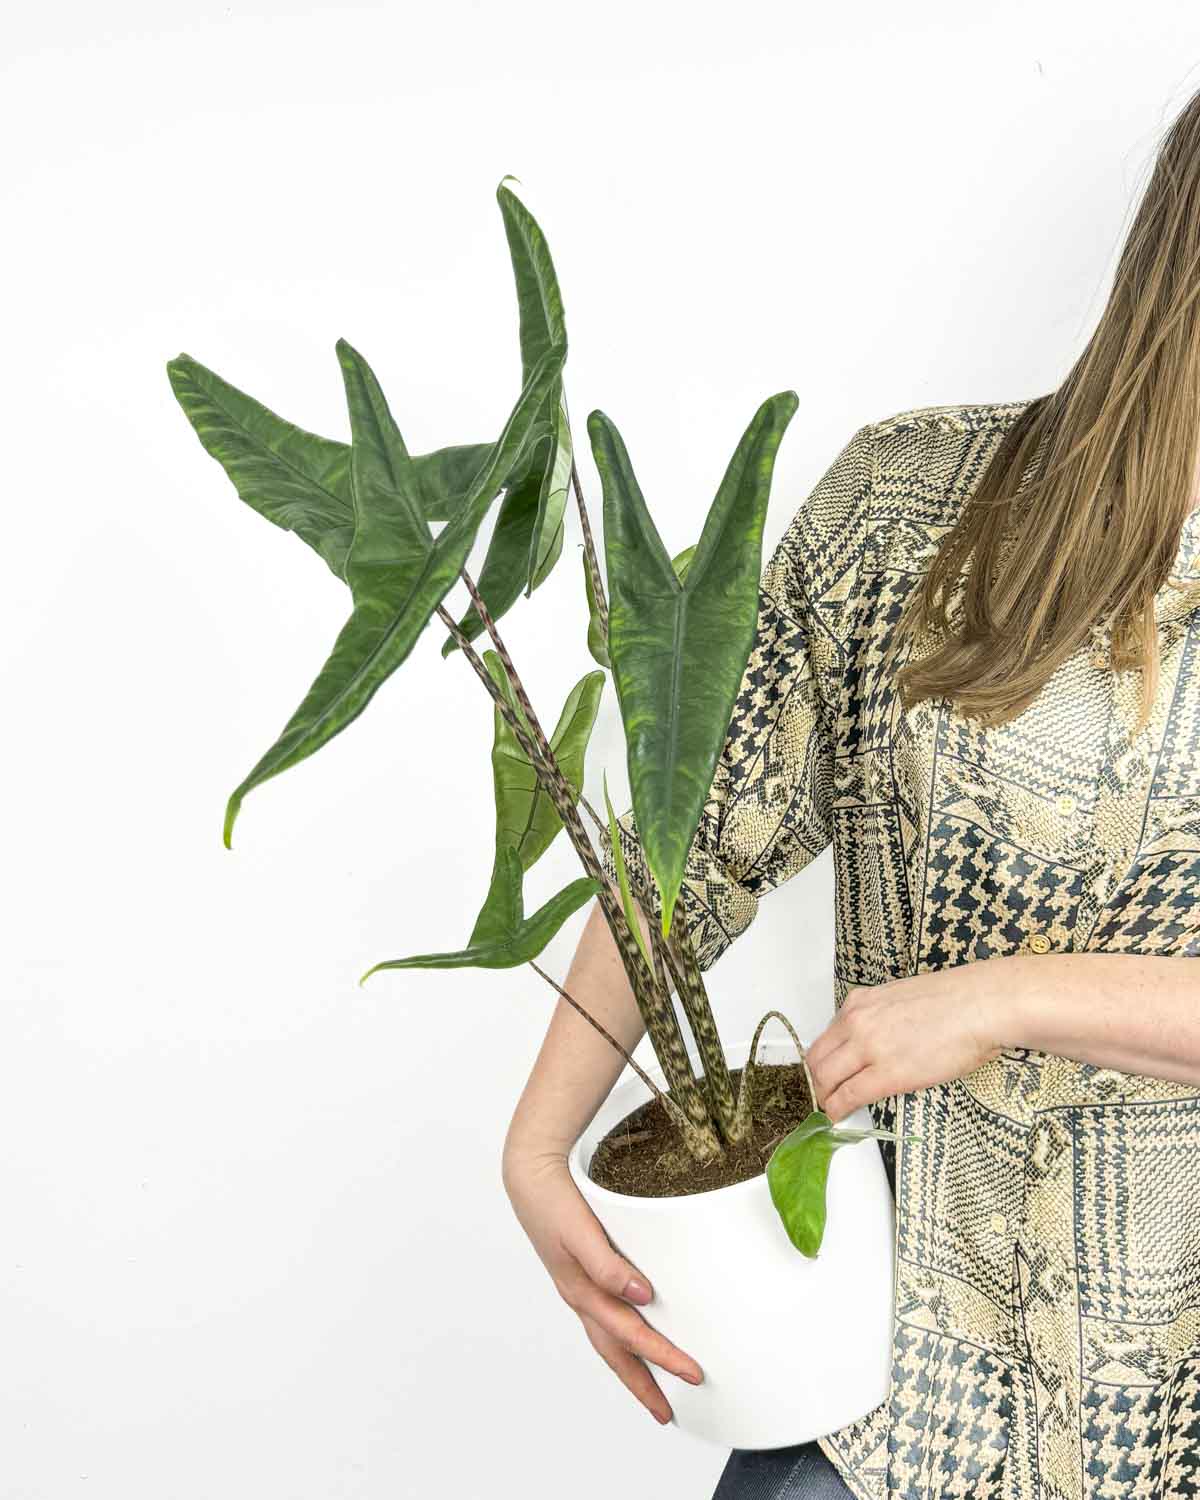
397	572
679	650
540	312
798	1174
528	536
295	478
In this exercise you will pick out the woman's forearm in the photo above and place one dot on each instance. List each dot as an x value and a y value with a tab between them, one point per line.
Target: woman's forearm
576	1067
1135	1012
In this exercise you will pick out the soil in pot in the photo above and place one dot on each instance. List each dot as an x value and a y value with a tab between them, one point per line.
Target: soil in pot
643	1156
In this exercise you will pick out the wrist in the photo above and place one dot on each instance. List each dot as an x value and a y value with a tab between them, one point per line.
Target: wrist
525	1151
1005	1008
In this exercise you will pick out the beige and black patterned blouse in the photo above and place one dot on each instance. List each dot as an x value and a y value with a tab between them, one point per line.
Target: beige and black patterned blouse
1046	1339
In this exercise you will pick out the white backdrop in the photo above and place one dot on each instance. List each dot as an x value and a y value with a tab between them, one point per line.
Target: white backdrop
255	1243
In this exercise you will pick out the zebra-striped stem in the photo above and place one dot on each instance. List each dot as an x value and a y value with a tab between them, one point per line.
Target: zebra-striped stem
744	1095
653	1004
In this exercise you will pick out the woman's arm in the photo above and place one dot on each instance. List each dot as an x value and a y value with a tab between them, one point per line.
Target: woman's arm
574	1071
1135	1012
576	1068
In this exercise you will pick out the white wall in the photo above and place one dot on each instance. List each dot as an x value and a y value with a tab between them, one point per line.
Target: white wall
255	1242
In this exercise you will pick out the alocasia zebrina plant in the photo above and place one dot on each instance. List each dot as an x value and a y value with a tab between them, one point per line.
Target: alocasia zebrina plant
675	632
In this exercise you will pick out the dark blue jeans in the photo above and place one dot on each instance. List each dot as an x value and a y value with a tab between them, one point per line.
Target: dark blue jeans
801	1472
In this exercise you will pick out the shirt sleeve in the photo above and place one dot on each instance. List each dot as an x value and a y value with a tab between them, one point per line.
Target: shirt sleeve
769	811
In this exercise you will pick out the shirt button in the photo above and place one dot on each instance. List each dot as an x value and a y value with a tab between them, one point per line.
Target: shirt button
1099	661
1065	803
1040	943
999	1223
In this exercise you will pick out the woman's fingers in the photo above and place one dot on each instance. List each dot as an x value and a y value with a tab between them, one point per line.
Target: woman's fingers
628	1368
606	1267
600	1289
627	1326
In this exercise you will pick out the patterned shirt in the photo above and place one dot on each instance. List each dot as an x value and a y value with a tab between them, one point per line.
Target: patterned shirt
1046	1330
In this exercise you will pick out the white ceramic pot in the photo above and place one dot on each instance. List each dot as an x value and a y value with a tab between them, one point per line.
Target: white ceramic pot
792	1347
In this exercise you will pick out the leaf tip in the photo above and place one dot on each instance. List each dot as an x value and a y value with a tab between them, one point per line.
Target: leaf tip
231	811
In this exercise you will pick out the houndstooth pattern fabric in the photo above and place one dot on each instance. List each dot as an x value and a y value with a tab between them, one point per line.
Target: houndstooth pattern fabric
1046	1331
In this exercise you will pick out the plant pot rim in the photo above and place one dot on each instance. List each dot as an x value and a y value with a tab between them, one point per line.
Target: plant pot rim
670	1201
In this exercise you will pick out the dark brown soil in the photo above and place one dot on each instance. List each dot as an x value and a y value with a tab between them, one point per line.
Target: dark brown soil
644	1156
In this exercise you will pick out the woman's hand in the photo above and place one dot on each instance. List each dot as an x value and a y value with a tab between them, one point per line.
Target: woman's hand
908	1034
592	1279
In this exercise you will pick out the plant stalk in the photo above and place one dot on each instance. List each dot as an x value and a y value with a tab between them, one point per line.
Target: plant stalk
655	1007
679	955
589	551
668	1104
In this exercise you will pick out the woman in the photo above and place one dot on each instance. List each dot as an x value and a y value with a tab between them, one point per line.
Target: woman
977	675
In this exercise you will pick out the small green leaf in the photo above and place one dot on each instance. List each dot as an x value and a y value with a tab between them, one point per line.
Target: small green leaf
682	561
505	938
526	818
798	1172
623	877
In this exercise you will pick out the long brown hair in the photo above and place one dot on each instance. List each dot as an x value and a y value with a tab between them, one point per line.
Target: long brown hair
1076	519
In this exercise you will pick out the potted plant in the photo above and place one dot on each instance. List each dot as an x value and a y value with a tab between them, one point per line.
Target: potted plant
720	1181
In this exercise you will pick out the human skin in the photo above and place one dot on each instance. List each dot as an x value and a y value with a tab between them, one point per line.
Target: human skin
1135	1012
1138	1013
572	1075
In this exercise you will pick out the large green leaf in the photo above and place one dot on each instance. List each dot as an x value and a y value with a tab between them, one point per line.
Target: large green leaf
526	818
798	1173
528	536
679	650
295	478
503	936
539	300
540	313
397	572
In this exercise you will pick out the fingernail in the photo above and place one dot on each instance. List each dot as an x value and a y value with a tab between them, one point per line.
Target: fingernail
695	1379
637	1290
